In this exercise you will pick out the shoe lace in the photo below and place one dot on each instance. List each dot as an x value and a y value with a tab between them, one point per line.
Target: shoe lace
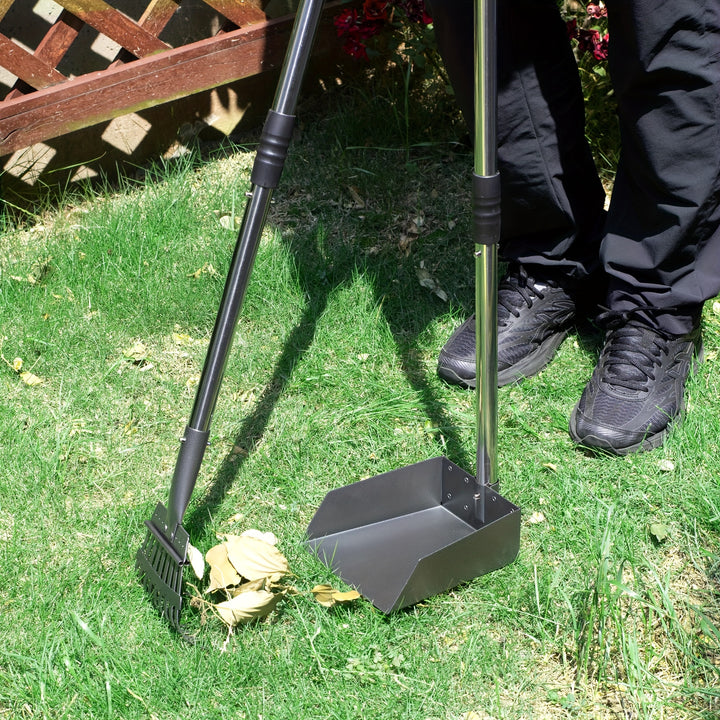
632	352
516	289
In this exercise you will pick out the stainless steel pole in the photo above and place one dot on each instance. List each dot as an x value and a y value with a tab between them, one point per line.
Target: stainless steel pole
487	218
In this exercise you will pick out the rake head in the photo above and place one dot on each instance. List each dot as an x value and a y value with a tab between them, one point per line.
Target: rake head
159	562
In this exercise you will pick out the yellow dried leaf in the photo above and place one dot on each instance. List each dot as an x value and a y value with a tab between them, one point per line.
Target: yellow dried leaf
247	606
17	364
206	268
268	537
181	338
327	596
222	573
254	558
136	352
197	562
259	584
29	379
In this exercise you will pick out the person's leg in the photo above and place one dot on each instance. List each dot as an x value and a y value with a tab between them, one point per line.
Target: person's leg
662	247
661	250
552	199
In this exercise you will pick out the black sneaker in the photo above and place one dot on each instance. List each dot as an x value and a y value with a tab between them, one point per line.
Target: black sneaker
636	389
534	317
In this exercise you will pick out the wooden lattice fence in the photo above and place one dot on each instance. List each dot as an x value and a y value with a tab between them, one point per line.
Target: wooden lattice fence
141	54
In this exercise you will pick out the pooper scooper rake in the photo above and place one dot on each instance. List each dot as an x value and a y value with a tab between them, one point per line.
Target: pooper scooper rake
407	534
164	553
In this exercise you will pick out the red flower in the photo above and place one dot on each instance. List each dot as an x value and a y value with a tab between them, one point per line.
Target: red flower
355	49
591	41
375	9
596	11
414	10
344	21
572	28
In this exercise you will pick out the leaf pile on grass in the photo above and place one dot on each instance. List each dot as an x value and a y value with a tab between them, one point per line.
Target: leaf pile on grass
249	572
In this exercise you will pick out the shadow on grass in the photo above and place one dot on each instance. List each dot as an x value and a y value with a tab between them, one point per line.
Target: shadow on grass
406	326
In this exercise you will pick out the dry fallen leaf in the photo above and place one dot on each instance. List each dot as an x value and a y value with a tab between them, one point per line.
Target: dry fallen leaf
327	596
222	573
659	531
359	203
429	282
197	562
247	606
137	352
29	379
267	537
259	584
206	268
181	338
536	518
230	222
254	558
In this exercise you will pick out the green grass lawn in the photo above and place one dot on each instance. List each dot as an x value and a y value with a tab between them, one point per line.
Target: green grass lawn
612	608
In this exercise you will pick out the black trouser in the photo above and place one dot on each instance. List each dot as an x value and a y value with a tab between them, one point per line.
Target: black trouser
660	243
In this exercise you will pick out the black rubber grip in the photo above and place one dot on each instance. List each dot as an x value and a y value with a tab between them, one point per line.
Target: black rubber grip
272	151
486	209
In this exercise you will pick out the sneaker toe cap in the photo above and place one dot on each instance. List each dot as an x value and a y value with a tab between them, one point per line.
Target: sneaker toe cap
589	427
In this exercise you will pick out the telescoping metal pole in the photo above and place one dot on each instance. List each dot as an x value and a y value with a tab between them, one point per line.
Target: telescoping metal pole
486	227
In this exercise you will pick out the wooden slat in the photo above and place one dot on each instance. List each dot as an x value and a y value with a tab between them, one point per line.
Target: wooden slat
59	37
24	65
115	25
52	47
157	15
154	19
241	13
5	5
103	95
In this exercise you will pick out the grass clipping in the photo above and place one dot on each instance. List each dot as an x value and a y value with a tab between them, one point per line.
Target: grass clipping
248	571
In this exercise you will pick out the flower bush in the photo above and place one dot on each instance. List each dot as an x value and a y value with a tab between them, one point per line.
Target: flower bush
401	32
586	27
356	27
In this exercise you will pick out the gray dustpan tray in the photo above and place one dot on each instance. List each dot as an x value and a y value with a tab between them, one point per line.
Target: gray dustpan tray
405	535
